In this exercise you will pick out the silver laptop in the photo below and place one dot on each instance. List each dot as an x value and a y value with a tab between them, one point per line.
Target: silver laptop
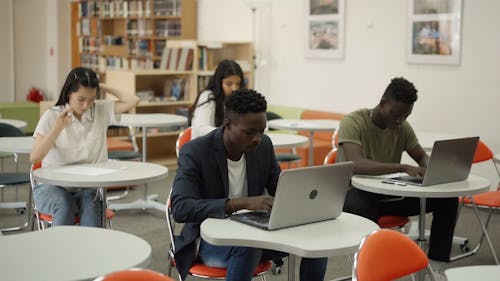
450	161
304	195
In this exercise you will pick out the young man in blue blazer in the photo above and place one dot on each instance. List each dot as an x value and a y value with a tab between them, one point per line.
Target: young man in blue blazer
227	170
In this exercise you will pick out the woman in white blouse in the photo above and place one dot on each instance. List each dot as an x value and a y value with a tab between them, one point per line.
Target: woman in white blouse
208	110
74	131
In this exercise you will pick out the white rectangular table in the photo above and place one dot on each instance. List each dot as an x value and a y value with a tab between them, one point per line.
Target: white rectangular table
321	239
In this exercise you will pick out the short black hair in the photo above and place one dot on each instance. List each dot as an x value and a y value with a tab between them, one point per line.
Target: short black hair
401	90
245	101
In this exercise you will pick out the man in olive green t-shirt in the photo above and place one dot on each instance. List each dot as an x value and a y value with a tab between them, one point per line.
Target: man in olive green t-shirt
374	139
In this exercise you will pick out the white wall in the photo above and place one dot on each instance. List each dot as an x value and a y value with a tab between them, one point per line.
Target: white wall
25	59
456	99
30	46
6	52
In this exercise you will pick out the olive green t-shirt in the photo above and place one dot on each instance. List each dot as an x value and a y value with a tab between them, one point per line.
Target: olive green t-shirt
383	145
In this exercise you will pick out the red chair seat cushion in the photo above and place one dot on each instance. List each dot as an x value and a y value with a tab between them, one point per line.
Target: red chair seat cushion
392	221
199	269
45	217
488	199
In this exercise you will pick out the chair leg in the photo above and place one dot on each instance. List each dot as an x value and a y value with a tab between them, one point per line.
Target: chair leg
485	232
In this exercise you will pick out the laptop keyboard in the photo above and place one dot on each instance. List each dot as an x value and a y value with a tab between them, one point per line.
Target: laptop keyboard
260	217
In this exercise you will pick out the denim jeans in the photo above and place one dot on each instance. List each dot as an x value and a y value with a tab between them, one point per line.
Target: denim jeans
63	205
241	262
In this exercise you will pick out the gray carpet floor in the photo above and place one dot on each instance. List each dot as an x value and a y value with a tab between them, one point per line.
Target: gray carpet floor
151	226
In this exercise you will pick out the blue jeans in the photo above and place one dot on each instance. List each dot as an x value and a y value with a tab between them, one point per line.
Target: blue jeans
241	262
63	205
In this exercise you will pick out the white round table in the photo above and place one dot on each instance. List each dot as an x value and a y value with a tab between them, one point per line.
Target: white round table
101	175
150	120
311	125
70	253
17	144
287	140
20	124
472	185
147	120
477	272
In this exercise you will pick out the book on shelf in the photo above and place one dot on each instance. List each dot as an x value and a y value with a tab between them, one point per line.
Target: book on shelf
177	59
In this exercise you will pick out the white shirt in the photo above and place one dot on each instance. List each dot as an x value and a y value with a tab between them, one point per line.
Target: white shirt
79	142
203	120
237	176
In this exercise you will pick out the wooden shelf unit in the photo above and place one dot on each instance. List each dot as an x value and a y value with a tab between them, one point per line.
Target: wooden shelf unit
127	34
161	144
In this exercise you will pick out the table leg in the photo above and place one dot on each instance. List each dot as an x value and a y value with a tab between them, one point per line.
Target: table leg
291	267
311	150
421	233
104	203
145	202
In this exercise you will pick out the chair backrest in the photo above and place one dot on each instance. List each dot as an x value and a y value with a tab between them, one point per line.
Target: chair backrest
386	255
7	130
483	153
183	138
135	274
330	157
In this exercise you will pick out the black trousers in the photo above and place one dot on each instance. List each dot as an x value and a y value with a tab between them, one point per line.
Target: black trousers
444	212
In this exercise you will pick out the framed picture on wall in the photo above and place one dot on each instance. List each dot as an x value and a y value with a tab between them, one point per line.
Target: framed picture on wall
324	28
434	31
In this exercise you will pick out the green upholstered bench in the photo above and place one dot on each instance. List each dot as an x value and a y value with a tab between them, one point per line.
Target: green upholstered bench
24	110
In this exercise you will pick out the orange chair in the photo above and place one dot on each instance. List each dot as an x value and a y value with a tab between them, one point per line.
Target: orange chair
45	220
387	255
489	201
135	274
384	221
183	138
198	269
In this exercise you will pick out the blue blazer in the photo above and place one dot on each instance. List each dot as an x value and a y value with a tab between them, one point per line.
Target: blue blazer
201	187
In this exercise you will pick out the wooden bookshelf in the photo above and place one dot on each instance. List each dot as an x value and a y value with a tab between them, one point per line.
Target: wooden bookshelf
157	85
127	34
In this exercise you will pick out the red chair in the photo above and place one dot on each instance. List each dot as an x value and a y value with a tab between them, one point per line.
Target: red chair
387	255
135	274
489	201
384	221
198	269
45	220
183	138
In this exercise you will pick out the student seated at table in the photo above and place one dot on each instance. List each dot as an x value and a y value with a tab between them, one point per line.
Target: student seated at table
207	113
374	139
72	132
227	170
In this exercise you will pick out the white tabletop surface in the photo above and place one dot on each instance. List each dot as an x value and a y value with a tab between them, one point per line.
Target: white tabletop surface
112	173
16	144
287	140
70	253
477	272
497	158
426	139
473	185
20	124
151	120
304	124
322	239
